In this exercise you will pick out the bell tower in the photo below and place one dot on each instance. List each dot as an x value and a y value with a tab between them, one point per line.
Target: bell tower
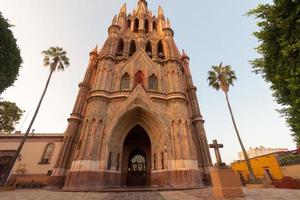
136	119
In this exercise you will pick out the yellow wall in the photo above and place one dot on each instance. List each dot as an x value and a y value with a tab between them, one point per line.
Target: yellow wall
31	154
259	164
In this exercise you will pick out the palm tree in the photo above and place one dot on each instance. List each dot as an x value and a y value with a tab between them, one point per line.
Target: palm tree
56	59
222	77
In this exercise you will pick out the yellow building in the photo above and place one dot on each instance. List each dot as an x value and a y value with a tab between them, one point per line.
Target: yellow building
274	168
266	165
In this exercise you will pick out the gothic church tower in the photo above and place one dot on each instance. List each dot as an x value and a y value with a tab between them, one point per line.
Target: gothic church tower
136	120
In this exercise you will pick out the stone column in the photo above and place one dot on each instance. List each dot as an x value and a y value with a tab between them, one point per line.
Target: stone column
64	159
204	157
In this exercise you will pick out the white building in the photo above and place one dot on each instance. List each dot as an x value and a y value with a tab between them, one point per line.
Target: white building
260	151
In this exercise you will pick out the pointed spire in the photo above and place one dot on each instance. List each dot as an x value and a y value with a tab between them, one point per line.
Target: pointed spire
143	1
115	20
168	23
142	7
123	10
94	51
160	11
183	53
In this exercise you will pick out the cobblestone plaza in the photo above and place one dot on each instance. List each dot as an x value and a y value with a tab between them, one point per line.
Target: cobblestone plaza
199	194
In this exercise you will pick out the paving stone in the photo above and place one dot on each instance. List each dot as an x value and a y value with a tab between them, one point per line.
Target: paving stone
199	194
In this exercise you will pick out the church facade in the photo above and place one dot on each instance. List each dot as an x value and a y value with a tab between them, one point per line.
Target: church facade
136	120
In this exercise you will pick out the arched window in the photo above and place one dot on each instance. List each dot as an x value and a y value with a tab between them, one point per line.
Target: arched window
125	82
136	25
46	158
149	49
146	26
154	25
120	47
160	50
139	78
132	48
153	82
128	24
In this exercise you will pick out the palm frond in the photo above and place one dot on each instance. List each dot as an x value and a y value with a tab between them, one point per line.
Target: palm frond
221	76
56	58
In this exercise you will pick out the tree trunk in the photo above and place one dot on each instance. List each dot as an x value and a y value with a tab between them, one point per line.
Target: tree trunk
6	175
252	177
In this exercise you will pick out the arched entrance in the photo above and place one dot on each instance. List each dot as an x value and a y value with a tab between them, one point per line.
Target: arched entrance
136	174
136	161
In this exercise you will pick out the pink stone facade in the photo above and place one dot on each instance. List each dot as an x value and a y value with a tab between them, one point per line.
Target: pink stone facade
137	96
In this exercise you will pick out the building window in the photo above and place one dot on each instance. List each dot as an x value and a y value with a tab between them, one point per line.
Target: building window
154	25
160	50
136	25
153	82
149	49
147	26
132	48
120	48
46	158
125	82
128	24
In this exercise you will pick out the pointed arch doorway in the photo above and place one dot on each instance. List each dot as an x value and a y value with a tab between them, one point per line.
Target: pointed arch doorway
136	159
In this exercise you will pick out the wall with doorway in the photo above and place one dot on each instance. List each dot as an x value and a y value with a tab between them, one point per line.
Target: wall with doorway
260	165
28	166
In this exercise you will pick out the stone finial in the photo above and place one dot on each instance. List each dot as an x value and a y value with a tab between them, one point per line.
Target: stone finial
123	9
94	51
143	1
183	53
142	7
115	20
168	23
160	11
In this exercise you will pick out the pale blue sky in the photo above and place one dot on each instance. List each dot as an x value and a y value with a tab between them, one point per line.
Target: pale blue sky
209	31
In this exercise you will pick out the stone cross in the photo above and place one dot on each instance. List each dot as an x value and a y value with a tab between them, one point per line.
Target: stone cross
216	148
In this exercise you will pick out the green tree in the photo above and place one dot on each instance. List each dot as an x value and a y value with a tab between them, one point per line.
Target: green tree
56	59
10	59
10	114
221	77
279	47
